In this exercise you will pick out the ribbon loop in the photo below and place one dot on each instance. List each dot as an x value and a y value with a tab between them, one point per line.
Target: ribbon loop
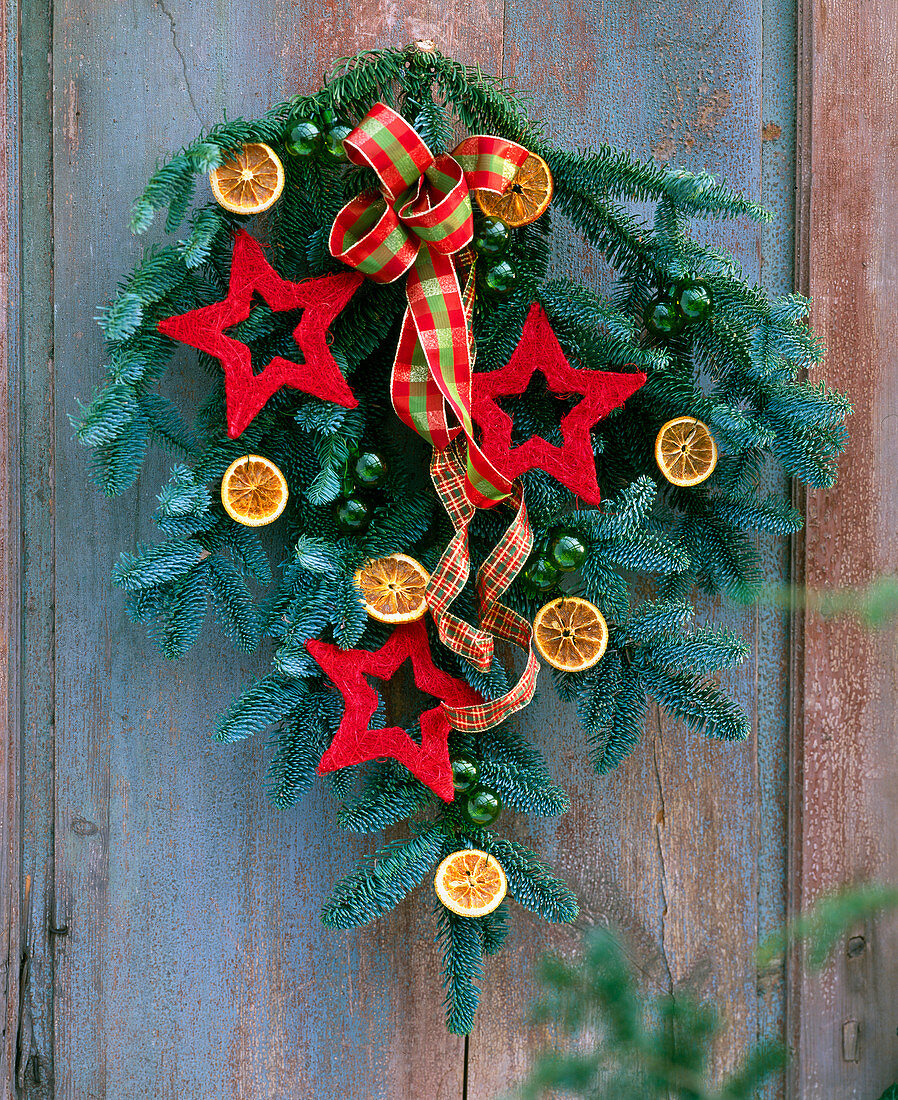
368	235
385	142
423	218
440	212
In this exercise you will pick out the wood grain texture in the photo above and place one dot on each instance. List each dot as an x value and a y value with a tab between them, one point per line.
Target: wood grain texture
671	846
195	965
846	821
38	471
11	945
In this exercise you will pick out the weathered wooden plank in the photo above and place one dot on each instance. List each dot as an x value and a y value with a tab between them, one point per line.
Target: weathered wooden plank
37	382
10	560
845	731
671	847
777	268
195	963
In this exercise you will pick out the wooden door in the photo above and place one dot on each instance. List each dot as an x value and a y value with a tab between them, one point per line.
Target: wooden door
161	918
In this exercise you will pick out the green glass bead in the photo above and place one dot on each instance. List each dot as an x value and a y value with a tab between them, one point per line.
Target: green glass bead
304	139
333	141
493	237
567	550
482	806
662	317
369	469
541	574
327	117
499	280
694	299
465	774
352	515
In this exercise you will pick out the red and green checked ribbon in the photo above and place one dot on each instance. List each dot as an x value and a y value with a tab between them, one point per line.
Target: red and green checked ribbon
447	469
420	218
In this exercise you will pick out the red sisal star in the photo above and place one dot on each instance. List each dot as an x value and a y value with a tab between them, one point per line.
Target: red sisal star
354	742
321	299
573	463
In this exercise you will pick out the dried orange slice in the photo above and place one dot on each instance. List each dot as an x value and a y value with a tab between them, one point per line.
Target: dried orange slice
470	883
253	491
249	181
525	200
685	451
393	588
570	633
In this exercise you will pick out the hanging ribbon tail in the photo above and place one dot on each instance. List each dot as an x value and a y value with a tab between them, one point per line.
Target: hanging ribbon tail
433	368
493	578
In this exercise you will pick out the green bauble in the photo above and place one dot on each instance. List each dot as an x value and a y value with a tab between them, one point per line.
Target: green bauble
353	516
333	141
492	238
369	469
499	279
304	139
662	317
327	117
694	299
481	807
567	550
465	773
541	574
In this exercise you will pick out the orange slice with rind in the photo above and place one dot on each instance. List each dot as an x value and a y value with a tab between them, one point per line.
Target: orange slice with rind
249	180
253	491
685	451
525	199
570	634
393	588
470	883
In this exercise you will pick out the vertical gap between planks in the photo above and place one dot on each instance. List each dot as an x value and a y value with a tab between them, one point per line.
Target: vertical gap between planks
803	136
464	1076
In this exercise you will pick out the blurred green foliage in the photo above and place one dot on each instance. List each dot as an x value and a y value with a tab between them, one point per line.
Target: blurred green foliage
616	1041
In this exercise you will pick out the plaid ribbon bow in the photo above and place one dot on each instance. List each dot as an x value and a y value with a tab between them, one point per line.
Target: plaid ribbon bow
420	218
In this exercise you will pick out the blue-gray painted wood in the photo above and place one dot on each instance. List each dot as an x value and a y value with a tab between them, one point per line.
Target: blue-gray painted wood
685	845
195	965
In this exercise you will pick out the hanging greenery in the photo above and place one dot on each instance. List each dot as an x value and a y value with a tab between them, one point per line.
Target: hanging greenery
457	449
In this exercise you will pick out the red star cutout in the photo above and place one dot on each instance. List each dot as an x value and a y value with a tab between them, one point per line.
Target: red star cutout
573	464
321	299
354	742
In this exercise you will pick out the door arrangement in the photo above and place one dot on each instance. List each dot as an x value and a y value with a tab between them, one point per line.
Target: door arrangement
555	359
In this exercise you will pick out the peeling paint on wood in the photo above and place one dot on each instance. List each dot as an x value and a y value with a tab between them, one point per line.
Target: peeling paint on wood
10	571
846	795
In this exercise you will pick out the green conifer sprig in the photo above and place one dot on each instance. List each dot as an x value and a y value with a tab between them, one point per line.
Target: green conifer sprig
386	879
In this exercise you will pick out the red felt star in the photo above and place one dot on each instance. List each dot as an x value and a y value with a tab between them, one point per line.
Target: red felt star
573	463
321	300
354	742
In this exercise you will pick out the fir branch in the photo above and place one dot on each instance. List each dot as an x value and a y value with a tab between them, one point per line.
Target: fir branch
701	705
619	732
462	942
531	882
260	706
235	610
154	565
494	929
386	878
390	794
